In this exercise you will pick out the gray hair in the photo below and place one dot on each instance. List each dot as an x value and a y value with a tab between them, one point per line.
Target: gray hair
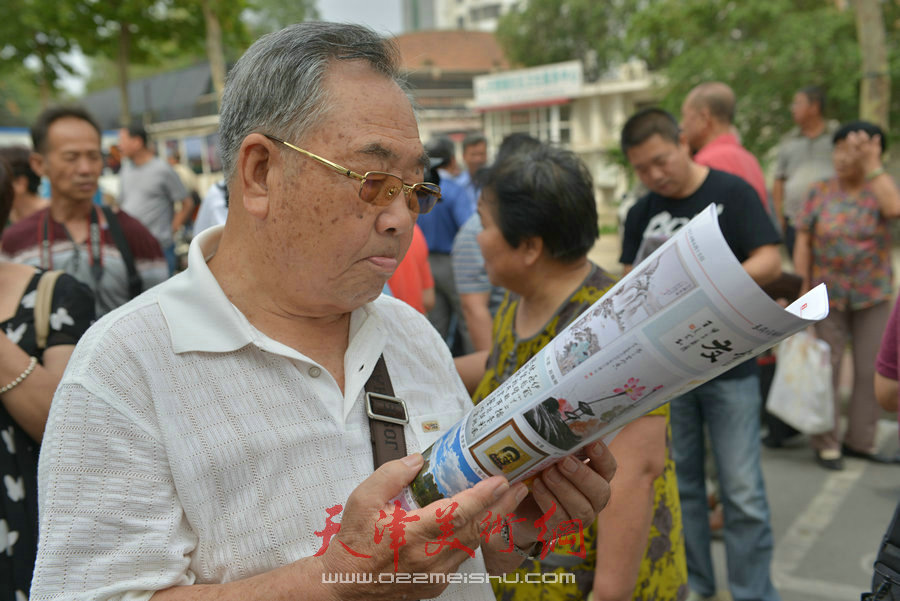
276	86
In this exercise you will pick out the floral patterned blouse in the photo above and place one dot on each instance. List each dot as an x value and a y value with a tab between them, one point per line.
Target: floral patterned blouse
663	571
71	312
851	245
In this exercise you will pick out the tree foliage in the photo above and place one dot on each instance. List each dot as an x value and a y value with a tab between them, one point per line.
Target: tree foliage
270	15
36	33
766	50
127	38
552	31
20	99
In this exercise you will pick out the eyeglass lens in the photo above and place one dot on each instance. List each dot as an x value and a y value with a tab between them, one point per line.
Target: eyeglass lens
381	189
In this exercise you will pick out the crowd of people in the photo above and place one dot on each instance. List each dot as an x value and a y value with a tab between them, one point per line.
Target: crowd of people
219	414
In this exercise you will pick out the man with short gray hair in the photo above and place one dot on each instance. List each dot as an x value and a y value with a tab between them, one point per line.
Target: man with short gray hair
206	434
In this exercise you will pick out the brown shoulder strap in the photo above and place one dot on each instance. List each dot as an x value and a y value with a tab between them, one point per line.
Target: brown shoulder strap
43	305
387	415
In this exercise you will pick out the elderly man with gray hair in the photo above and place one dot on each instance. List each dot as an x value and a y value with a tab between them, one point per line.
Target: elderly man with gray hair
211	439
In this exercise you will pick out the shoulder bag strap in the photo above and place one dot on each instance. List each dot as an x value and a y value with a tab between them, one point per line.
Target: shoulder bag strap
43	305
387	416
135	285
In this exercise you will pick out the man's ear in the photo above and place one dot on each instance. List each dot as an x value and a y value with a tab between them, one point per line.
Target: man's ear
37	163
254	163
20	185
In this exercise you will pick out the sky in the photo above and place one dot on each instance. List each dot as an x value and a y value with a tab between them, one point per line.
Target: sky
383	16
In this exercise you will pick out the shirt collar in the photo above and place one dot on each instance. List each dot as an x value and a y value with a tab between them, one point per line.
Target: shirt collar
198	314
200	317
726	139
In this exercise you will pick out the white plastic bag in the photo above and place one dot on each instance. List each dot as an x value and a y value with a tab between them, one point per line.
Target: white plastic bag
801	393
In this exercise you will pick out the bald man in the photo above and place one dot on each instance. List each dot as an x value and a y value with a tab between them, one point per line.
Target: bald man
707	120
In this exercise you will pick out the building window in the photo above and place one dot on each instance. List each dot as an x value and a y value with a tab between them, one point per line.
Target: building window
546	123
482	13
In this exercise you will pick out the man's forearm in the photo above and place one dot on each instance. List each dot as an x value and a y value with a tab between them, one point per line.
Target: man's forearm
764	264
299	580
187	206
778	199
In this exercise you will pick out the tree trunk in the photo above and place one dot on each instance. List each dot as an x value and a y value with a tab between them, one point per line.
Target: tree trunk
875	91
122	60
214	50
44	83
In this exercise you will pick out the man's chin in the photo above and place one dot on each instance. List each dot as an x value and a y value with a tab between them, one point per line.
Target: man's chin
81	196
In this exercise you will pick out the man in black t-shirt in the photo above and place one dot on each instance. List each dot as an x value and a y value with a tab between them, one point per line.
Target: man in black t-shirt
729	405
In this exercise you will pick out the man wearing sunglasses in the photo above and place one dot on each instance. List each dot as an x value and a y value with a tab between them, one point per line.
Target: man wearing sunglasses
211	439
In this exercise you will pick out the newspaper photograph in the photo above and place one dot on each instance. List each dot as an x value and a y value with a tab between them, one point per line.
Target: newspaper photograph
681	317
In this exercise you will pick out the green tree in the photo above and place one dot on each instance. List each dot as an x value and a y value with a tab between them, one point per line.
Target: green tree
875	91
271	15
20	99
552	31
137	31
765	50
149	38
36	33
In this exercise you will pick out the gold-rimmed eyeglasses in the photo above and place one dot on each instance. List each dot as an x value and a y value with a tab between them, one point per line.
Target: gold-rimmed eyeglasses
380	188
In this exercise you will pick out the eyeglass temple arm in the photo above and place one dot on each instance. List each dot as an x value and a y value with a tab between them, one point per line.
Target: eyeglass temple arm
324	161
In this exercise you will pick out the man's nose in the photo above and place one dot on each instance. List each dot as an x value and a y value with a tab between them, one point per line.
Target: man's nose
85	165
396	218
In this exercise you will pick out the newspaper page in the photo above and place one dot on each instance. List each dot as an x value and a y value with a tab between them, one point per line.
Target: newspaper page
684	315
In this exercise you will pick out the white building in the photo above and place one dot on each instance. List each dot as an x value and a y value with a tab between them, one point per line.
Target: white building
555	104
476	15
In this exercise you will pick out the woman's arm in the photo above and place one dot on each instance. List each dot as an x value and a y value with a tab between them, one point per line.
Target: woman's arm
868	154
471	368
29	402
886	392
803	259
623	528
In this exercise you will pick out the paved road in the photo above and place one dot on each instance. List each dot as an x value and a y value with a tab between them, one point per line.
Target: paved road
827	525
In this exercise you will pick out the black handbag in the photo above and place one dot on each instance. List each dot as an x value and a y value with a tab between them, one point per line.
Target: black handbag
886	577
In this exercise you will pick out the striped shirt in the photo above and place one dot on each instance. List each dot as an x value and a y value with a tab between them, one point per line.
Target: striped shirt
23	240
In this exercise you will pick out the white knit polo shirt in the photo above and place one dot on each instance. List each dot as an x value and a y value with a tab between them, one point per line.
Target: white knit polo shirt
184	446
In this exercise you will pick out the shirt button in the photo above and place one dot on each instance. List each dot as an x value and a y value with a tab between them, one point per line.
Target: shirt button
315	371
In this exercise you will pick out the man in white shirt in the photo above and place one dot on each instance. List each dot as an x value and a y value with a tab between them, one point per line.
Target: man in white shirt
214	207
206	433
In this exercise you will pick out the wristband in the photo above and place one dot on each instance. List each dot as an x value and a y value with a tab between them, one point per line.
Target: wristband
533	553
20	377
874	173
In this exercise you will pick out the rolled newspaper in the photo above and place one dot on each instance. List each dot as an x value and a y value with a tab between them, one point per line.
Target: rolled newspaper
684	315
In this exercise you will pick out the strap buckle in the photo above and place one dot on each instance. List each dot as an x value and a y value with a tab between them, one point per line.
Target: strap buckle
386	408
